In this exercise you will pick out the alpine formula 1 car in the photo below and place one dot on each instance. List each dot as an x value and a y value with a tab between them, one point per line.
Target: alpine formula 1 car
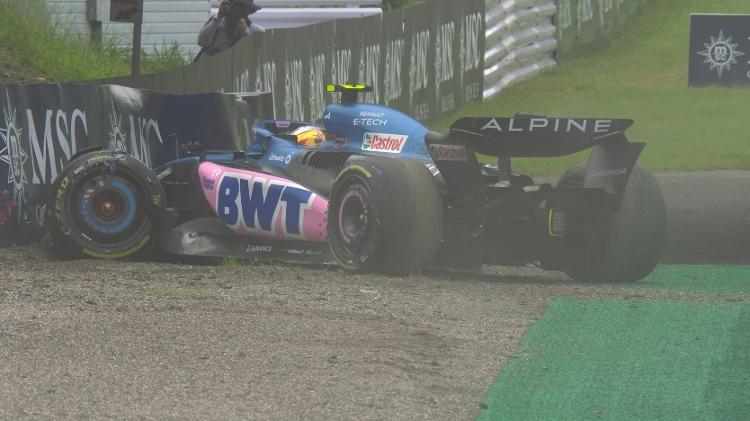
370	188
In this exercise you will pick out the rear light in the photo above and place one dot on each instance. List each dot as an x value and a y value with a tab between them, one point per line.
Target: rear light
557	223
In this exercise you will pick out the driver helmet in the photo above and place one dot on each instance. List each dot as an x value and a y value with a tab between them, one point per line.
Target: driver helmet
309	135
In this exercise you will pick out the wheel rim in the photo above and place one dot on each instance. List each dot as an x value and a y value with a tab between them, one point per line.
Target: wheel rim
108	210
353	221
352	230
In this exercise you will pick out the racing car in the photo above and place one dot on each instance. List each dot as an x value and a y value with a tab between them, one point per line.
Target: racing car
371	189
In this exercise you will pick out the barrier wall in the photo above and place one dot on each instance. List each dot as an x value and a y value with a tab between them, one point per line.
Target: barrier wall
521	41
425	60
525	37
43	126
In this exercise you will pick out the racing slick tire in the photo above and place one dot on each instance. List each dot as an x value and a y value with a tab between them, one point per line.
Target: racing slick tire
627	244
102	206
384	214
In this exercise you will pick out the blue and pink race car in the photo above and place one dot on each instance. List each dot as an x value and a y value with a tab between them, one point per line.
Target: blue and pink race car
371	189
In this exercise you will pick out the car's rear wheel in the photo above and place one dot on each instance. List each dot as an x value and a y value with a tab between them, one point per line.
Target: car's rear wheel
626	245
101	206
386	215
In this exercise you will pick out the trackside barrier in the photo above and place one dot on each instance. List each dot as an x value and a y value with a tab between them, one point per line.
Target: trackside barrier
525	37
44	126
425	60
520	41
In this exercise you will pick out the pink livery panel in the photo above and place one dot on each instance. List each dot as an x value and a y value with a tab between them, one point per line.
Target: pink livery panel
258	204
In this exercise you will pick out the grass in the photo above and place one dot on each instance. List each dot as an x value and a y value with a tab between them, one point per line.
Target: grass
592	359
231	262
55	54
643	76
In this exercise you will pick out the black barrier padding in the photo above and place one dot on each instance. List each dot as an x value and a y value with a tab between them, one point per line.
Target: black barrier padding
358	50
420	48
274	49
170	81
471	51
322	53
447	59
395	61
45	125
245	62
348	50
296	71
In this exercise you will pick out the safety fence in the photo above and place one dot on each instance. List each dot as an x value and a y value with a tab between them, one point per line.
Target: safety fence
425	60
525	37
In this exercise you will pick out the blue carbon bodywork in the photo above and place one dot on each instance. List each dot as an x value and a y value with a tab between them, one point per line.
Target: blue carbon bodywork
349	121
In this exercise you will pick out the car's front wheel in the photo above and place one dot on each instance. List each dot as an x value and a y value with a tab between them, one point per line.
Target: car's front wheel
101	206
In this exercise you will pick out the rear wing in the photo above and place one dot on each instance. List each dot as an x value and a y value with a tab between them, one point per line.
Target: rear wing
609	165
535	136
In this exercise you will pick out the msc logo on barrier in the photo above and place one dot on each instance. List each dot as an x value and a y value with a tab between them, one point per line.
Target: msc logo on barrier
255	204
719	46
720	53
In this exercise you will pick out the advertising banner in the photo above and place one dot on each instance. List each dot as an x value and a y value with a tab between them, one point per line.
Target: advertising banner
43	126
425	60
719	50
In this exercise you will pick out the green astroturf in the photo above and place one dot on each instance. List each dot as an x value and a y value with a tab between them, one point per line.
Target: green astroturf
718	279
629	360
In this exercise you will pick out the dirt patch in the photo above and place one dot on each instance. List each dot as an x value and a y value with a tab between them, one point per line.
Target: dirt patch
98	339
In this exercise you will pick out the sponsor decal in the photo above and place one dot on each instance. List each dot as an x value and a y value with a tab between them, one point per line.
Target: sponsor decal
209	183
721	53
555	125
13	154
283	124
293	100
258	248
611	172
317	96
342	62
433	169
142	131
370	118
369	122
449	152
327	116
303	252
265	77
371	114
369	72
258	204
281	158
394	55
384	142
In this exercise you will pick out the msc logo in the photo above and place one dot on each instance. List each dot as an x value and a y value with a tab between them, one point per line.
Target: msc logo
255	203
